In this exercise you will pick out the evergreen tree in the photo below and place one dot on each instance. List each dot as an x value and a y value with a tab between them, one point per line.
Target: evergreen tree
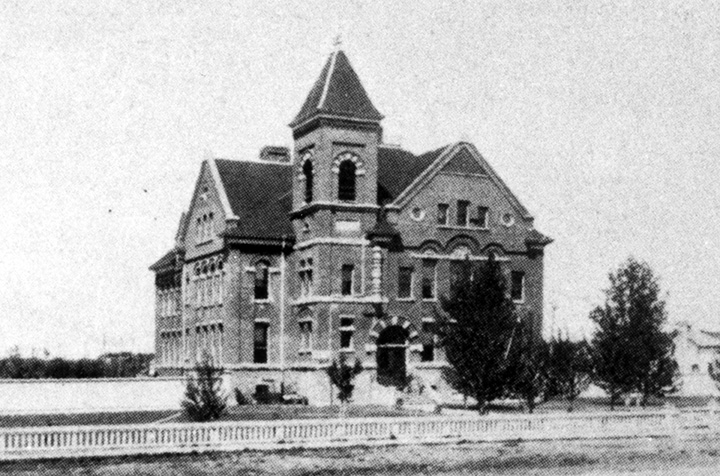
631	351
529	356
569	369
476	329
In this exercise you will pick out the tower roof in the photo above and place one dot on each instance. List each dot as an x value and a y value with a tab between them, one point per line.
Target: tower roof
338	92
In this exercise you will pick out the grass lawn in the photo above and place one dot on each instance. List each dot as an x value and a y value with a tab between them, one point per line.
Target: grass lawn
244	413
593	405
294	412
640	456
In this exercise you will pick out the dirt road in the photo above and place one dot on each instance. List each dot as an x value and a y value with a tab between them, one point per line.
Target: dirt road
606	457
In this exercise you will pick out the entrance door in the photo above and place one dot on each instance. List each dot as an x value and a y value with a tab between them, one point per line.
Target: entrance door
391	363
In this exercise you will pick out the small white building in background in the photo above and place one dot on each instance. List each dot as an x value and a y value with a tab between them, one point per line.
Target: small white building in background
695	350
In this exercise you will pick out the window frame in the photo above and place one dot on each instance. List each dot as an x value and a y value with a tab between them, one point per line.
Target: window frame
433	279
306	336
347	181
261	350
522	297
462	209
262	270
347	330
411	284
309	174
482	220
443	214
347	286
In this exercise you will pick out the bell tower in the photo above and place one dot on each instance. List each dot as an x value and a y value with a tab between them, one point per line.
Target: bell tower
336	134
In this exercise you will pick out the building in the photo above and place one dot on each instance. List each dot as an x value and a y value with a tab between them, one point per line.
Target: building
695	351
341	246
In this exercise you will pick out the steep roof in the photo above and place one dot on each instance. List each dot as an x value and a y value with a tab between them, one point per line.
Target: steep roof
260	195
397	168
338	92
167	261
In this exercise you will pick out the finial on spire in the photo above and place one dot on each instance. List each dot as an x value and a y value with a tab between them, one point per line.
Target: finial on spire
338	42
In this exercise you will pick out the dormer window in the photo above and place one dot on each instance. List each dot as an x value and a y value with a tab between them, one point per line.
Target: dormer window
308	173
346	181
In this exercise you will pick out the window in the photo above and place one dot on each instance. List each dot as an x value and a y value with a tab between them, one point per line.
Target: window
405	282
428	347
428	278
348	272
346	181
308	172
305	273
221	283
306	336
462	212
457	270
517	286
428	352
346	332
442	213
261	281
481	220
260	340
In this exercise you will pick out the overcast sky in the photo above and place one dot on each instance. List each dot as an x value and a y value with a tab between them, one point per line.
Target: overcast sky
603	118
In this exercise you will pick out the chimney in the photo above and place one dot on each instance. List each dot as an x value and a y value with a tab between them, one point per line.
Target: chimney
273	153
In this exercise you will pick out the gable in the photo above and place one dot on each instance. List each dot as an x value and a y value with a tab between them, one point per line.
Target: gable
463	163
207	210
465	151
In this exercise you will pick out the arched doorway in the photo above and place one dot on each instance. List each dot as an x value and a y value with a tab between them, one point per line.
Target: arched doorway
391	348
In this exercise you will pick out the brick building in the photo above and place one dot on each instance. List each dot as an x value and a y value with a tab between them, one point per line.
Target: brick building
342	245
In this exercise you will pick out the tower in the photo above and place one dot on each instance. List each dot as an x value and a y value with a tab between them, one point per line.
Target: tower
336	133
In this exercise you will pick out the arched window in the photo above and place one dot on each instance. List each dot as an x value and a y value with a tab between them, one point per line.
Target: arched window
346	181
308	172
261	280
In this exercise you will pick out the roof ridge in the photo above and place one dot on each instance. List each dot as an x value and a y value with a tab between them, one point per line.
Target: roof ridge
326	86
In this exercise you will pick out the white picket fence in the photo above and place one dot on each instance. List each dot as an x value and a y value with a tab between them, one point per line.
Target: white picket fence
67	442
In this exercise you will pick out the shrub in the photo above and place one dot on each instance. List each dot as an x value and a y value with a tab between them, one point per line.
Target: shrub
342	375
204	398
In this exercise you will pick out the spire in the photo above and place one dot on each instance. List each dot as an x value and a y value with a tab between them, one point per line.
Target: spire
338	92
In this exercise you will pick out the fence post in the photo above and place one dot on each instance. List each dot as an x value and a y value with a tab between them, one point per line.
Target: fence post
713	415
672	419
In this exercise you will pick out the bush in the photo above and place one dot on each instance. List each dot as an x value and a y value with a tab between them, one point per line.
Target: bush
342	376
204	398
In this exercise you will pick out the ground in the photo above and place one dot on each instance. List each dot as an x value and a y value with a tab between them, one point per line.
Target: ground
291	412
644	456
244	413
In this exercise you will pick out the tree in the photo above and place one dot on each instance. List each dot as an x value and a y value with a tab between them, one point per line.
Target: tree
475	328
342	376
714	370
631	351
204	397
569	369
529	356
